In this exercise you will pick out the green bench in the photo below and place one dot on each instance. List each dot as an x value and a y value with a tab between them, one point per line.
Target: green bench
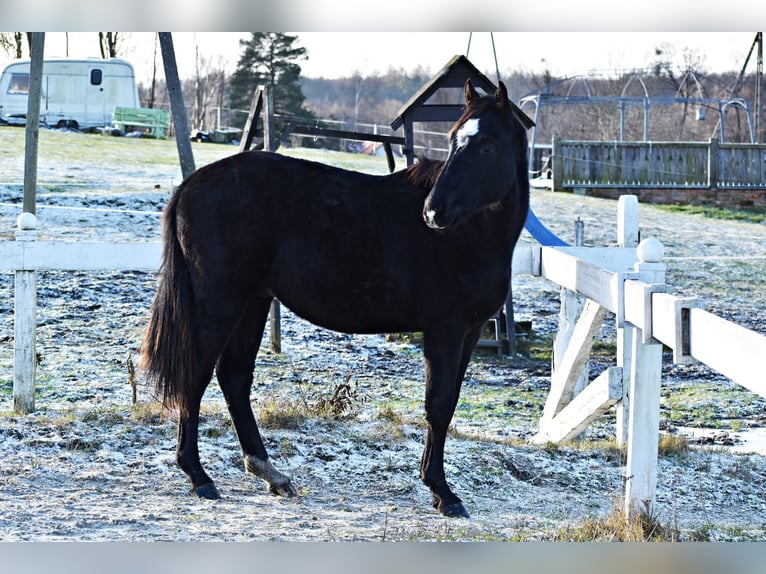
157	121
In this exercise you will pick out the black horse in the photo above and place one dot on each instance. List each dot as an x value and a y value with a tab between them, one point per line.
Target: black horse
424	249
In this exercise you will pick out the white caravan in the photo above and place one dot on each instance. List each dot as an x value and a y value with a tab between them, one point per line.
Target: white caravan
79	93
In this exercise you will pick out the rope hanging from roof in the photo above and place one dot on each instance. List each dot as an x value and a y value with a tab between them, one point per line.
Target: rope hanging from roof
494	51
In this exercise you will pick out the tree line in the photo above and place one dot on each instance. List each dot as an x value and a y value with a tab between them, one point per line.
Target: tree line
215	98
274	59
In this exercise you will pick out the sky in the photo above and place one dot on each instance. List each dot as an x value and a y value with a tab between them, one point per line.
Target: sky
338	54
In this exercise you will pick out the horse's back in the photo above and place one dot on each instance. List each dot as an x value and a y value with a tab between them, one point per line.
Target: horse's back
321	239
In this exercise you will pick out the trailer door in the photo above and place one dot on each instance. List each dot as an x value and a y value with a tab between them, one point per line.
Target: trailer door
95	101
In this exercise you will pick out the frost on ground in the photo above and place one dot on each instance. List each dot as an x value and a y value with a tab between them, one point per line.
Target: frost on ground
92	465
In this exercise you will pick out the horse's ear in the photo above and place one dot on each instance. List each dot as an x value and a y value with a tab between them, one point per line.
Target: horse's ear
501	95
470	92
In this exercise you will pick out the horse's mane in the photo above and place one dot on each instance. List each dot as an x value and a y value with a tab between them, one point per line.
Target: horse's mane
423	174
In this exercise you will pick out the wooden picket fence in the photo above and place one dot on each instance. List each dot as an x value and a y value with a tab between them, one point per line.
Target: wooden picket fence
583	165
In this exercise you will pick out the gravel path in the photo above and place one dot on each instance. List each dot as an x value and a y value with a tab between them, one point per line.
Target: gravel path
91	465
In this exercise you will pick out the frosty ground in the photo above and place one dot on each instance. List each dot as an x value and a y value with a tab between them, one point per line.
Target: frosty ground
342	414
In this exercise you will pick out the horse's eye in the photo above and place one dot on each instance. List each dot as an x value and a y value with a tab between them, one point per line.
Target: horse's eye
487	148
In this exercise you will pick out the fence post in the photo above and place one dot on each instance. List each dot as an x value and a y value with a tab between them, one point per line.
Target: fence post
557	167
627	236
644	393
275	314
712	164
24	324
268	120
177	108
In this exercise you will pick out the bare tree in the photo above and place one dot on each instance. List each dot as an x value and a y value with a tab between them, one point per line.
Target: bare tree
208	89
12	43
154	73
108	43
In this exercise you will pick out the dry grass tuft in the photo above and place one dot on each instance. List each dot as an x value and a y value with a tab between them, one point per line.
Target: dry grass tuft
617	526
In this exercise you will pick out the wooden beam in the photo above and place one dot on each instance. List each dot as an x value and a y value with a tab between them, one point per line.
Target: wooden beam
79	256
248	133
594	400
32	134
730	349
180	118
436	113
345	134
563	379
604	286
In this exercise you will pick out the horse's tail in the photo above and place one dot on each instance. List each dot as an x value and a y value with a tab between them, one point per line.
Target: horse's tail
169	347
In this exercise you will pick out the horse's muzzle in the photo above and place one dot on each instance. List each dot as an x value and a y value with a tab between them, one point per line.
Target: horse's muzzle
430	217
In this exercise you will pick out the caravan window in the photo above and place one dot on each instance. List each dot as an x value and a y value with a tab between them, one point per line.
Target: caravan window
95	77
19	84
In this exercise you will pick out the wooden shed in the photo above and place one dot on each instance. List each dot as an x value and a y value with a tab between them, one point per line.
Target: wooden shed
453	75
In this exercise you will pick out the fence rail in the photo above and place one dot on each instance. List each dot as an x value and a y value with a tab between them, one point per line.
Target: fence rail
615	164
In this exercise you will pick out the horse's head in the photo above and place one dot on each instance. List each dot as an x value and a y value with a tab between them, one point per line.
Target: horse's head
482	165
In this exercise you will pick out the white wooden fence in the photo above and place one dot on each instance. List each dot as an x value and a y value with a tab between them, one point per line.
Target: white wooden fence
628	281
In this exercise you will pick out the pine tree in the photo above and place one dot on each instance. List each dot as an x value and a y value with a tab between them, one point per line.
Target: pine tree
270	59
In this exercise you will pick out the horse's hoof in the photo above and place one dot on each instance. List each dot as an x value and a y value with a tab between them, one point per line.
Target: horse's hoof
455	510
285	489
208	491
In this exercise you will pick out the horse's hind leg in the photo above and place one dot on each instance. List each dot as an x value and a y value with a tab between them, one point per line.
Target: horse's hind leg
187	451
214	331
235	376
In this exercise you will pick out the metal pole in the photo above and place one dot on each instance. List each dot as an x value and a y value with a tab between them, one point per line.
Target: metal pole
180	119
758	86
579	233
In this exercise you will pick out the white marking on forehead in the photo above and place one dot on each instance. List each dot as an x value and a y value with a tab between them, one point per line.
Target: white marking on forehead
468	129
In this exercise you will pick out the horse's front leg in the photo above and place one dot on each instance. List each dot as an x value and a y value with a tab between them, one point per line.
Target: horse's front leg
446	360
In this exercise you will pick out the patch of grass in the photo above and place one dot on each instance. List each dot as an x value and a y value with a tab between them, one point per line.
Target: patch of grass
606	449
395	420
415	338
617	526
601	347
704	406
726	213
673	445
281	414
540	349
149	413
104	417
342	403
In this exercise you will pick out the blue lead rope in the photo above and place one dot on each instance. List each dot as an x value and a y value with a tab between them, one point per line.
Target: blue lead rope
542	234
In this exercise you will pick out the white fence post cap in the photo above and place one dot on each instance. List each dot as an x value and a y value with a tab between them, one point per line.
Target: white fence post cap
650	250
26	222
